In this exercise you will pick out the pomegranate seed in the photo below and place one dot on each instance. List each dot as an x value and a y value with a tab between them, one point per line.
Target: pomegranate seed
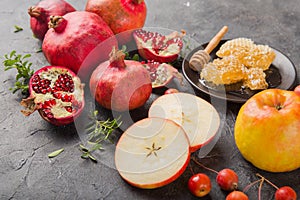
47	111
50	115
57	95
44	91
64	83
67	98
48	104
69	108
41	85
52	102
45	105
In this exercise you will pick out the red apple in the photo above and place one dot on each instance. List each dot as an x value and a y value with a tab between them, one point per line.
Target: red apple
199	119
297	90
199	185
267	130
237	195
285	193
171	91
152	152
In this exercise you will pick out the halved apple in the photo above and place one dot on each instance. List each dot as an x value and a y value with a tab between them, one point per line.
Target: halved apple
152	152
199	119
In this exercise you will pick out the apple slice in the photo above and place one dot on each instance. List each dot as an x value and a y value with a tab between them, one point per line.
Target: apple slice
152	152
199	119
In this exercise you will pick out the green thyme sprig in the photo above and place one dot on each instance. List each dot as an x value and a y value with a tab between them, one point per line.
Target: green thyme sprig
98	132
135	56
23	66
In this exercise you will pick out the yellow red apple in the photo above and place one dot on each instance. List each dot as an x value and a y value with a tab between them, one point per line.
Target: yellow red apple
267	130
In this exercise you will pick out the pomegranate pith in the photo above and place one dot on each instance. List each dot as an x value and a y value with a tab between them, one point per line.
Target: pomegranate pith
57	93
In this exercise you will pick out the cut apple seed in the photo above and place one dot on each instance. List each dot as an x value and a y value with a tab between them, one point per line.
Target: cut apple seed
151	153
199	119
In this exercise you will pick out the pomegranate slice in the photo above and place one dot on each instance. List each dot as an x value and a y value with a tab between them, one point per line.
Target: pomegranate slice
57	93
161	73
158	47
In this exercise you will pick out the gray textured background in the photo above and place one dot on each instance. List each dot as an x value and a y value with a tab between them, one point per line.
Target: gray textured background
27	173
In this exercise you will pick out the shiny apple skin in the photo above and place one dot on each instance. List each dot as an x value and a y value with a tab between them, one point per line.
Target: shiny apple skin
297	90
285	193
199	185
171	91
237	195
267	130
227	179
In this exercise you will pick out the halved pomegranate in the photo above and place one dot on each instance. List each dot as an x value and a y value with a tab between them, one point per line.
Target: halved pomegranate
161	73
57	93
158	47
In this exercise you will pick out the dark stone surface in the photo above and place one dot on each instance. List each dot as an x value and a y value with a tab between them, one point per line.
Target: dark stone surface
27	173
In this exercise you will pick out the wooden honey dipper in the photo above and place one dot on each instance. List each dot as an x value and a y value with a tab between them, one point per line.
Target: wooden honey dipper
201	57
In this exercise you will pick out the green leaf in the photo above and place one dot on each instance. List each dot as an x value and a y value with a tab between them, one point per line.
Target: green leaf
12	53
124	48
96	146
26	56
24	72
55	153
39	50
99	131
83	148
92	158
85	155
18	29
136	57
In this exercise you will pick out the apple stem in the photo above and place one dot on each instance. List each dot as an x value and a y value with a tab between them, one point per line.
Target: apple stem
267	181
198	163
259	188
250	185
192	169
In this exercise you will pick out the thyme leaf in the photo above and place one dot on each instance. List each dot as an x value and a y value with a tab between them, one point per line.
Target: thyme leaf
18	29
55	153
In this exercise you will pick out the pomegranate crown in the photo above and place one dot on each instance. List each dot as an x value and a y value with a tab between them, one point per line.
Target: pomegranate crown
58	23
116	58
35	11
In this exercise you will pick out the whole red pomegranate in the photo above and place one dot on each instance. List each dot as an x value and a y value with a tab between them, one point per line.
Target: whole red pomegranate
41	12
120	15
57	93
120	84
76	41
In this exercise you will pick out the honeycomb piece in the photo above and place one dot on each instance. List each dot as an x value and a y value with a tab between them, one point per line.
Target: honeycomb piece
256	79
260	56
248	53
237	47
223	71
